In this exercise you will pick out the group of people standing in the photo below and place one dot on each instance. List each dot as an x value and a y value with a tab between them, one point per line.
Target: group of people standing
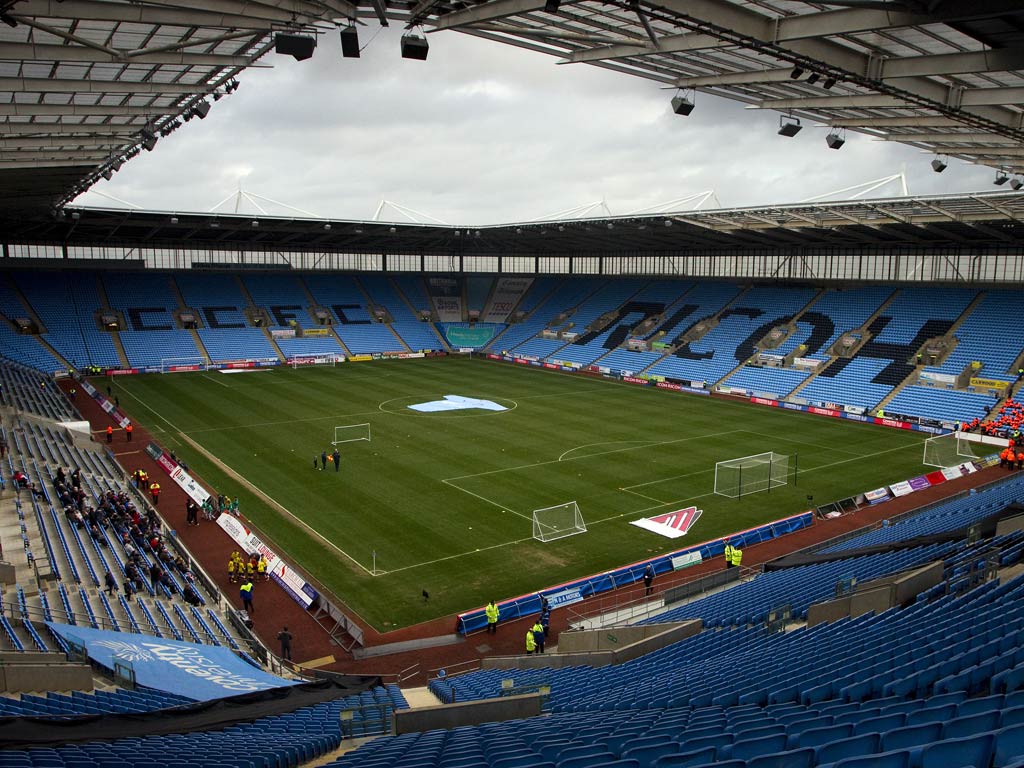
335	456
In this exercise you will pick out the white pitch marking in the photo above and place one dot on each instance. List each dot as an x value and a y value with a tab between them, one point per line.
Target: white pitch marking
607	442
215	381
484	498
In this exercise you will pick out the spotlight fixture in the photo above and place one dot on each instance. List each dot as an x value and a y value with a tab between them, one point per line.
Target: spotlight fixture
327	227
813	78
174	219
668	222
299	47
610	225
202	109
217	95
1001	178
789	126
939	165
117	163
107	174
1017	183
836	139
458	233
255	224
392	230
414	46
551	6
682	104
519	230
350	42
829	83
9	20
797	73
148	138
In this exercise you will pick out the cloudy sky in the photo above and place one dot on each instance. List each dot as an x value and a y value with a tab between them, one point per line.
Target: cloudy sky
485	133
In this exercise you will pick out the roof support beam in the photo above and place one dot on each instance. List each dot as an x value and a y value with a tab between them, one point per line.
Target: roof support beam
950	138
47	85
81	110
60	157
1014	151
56	142
50	129
189	13
44	52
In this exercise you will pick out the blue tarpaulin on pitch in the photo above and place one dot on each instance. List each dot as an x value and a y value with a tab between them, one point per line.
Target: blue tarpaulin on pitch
199	672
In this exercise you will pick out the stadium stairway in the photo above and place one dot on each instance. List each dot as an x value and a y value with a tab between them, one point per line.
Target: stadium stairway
196	338
408	304
115	336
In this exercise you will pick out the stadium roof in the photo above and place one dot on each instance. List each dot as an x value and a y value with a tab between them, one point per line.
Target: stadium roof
974	221
84	84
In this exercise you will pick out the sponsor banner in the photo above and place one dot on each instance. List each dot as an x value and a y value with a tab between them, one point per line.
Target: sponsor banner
806	362
892	423
901	488
490	356
508	358
876	496
952	473
469	350
570	335
831	412
857	417
667	385
855	409
360	358
564	597
571	370
660	345
527	357
123	371
316	360
289	580
634	380
316	331
521	361
187	483
792	407
686	559
935	478
731	390
671	525
919	483
282	333
552	366
402	355
105	404
768	358
765	401
941	378
834	406
196	672
989	383
183	368
603	369
537	363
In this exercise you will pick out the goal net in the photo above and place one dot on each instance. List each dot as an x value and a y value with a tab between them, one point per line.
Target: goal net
948	450
557	522
180	364
351	433
302	361
751	474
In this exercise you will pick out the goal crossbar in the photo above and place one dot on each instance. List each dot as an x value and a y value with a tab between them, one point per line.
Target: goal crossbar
947	450
351	433
753	474
557	522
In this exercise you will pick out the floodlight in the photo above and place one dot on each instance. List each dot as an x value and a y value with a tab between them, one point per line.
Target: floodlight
392	230
299	47
519	230
1001	178
255	224
327	227
611	225
797	73
10	21
107	174
813	78
117	163
414	46
551	6
174	219
829	83
789	126
202	109
1017	183
668	222
939	165
682	104
835	140
350	42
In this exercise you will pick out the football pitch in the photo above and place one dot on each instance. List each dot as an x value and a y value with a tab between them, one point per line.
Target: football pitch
443	501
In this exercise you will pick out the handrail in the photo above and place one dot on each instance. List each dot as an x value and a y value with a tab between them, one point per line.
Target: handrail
453	670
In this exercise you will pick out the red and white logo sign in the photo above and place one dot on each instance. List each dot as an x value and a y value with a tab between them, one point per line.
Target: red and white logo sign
671	524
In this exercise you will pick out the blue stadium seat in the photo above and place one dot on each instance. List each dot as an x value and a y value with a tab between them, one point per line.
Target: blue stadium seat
911	736
795	758
586	761
687	759
1009	745
962	727
974	750
854	746
898	759
647	755
815	737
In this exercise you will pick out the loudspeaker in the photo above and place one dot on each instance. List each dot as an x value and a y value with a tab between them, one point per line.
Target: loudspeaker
414	47
350	42
682	105
299	46
834	141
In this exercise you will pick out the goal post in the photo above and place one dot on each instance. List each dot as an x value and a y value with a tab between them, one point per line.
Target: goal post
948	450
181	364
351	433
753	474
557	522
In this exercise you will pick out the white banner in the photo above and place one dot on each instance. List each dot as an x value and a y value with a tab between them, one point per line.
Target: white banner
942	378
806	362
687	559
250	543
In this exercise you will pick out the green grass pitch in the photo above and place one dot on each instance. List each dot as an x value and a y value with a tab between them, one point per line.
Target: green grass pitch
446	499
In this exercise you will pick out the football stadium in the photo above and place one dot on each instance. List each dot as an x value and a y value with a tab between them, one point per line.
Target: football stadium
730	486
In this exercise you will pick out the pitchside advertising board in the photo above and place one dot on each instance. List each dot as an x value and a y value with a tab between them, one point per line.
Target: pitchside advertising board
292	583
